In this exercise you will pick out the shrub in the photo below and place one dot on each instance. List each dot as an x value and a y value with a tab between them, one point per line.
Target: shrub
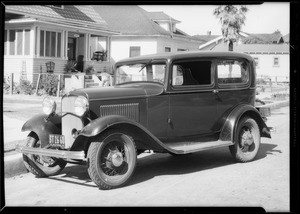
49	83
25	87
89	69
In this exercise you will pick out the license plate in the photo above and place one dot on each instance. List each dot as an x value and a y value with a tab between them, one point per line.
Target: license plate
57	140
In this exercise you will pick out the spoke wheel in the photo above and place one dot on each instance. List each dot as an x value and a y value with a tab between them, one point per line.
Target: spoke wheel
112	160
247	140
41	166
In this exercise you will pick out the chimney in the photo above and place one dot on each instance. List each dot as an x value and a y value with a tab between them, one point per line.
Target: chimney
209	33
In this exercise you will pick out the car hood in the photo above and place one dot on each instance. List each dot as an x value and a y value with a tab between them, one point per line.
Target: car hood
132	90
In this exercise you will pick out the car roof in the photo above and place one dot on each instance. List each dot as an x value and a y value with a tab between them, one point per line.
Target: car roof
186	54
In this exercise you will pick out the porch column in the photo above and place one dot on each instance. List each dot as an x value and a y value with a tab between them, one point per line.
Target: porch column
87	46
38	35
33	41
66	44
108	48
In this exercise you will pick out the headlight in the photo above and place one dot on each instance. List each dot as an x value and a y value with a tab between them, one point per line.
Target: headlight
81	105
49	105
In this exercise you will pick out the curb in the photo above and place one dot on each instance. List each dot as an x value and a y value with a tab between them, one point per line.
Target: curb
13	164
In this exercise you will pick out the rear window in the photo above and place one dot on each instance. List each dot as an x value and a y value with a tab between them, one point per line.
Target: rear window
232	72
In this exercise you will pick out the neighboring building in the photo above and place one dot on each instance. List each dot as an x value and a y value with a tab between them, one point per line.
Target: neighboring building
35	35
270	51
144	32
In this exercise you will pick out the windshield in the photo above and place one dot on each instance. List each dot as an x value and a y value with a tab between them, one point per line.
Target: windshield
141	72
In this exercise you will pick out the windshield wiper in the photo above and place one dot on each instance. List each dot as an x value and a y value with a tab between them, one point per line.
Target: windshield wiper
148	63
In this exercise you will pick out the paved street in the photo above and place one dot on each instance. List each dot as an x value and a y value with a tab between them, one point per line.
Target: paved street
208	178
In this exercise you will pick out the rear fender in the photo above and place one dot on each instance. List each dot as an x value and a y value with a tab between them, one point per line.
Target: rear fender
100	125
228	130
43	127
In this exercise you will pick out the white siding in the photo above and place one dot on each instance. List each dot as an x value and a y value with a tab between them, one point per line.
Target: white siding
120	46
266	67
175	44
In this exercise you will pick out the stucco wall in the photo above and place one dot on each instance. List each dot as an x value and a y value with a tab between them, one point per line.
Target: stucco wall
175	44
266	67
120	46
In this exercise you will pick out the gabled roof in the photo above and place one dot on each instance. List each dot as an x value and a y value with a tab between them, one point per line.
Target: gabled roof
206	38
129	20
160	16
135	21
286	38
82	14
254	48
275	37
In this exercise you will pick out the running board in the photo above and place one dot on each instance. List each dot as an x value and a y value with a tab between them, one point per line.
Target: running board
190	147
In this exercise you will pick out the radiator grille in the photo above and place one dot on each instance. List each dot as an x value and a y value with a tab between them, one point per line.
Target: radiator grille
130	110
69	121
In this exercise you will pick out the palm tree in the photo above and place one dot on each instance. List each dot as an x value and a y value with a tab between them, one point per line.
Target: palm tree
232	19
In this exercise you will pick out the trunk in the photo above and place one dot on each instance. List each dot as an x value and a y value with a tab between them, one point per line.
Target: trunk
230	46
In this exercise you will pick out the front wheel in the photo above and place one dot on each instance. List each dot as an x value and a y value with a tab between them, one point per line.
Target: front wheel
112	159
247	140
41	166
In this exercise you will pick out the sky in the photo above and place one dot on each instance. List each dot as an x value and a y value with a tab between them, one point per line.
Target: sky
199	19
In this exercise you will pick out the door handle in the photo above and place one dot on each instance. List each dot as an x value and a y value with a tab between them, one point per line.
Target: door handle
215	91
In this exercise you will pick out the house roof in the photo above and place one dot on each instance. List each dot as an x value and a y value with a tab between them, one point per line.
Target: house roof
136	21
160	16
286	38
129	20
72	15
263	38
206	38
254	48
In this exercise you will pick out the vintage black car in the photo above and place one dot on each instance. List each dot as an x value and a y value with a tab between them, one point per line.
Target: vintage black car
175	103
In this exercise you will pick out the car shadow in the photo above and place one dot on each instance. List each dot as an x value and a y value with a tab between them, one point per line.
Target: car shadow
158	164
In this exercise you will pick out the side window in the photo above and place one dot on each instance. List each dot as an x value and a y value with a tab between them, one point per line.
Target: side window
232	72
192	73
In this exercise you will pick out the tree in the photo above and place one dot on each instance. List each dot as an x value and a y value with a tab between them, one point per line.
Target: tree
232	19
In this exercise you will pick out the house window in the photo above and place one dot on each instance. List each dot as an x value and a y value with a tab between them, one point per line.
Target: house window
134	51
181	49
50	44
17	42
167	49
276	61
256	60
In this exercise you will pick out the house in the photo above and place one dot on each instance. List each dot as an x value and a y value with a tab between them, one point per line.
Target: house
144	32
270	52
35	35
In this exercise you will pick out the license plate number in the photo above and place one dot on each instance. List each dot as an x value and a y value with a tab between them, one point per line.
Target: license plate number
57	140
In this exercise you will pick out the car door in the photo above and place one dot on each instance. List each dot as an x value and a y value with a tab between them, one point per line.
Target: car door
192	102
233	85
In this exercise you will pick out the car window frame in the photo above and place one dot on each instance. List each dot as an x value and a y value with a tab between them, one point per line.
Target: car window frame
233	86
206	87
153	61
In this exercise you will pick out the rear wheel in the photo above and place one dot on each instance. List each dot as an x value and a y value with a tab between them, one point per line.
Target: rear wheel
247	140
112	159
41	166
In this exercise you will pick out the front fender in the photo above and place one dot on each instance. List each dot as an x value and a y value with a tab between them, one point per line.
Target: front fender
43	127
99	125
229	127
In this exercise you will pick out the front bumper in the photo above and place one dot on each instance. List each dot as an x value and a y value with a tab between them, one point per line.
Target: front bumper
78	155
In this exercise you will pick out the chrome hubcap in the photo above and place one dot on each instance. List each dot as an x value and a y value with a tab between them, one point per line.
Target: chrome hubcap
247	138
117	159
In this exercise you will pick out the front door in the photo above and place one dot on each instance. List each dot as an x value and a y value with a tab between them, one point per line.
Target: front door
72	48
192	102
